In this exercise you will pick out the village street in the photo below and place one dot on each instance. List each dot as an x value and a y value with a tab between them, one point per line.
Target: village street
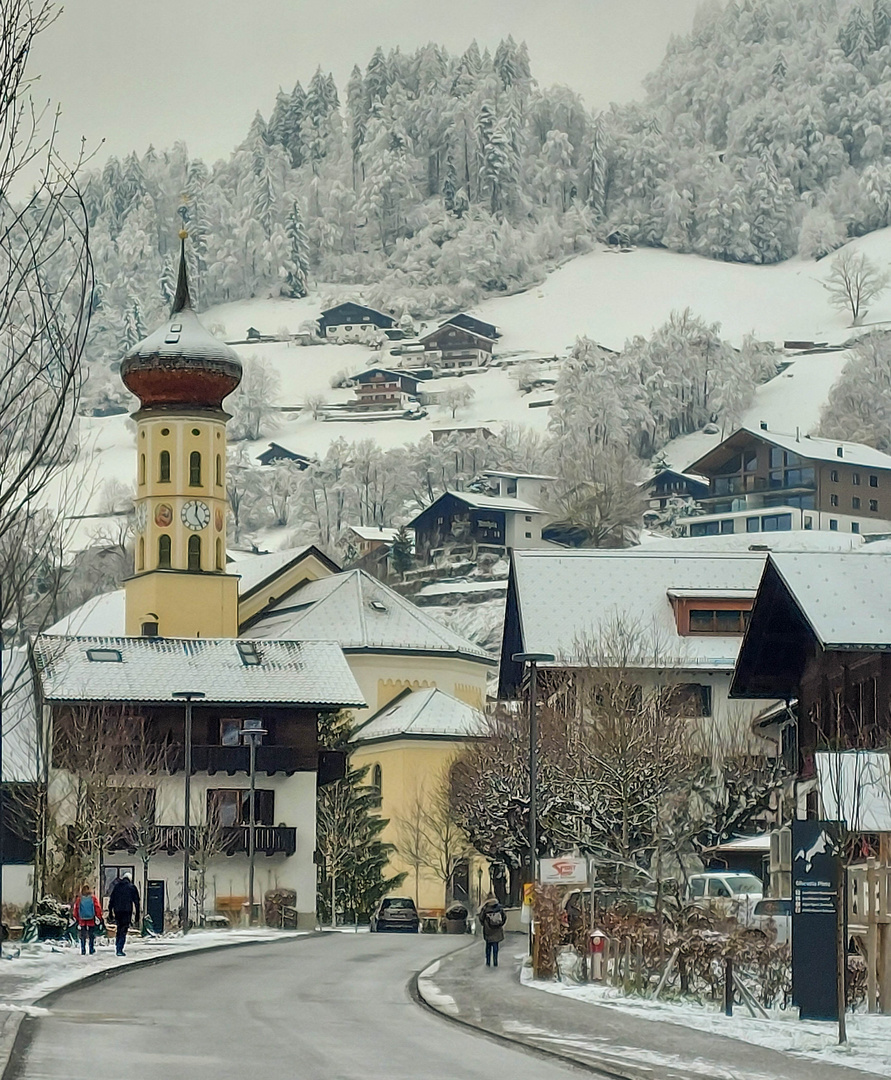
327	1007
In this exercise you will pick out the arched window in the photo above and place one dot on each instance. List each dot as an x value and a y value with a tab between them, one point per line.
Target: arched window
219	554
377	780
140	564
195	469
194	552
164	467
219	470
142	468
163	552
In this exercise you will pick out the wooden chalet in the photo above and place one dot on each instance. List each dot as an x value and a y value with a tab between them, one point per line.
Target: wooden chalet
454	347
380	389
476	326
670	484
350	321
277	453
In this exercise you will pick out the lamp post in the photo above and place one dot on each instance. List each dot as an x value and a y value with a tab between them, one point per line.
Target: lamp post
252	733
533	660
188	696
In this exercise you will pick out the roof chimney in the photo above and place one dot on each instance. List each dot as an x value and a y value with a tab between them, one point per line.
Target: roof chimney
797	433
840	451
763	425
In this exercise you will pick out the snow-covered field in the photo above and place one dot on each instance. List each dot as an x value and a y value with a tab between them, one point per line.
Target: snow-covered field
606	295
869	1036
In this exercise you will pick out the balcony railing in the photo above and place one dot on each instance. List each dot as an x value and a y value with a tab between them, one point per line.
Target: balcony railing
237	759
233	839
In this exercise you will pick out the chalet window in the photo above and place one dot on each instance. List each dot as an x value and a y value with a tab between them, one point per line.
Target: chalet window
718	621
704	528
833	476
808	522
528	536
691	700
194	552
855	526
727	527
230	733
195	469
230	807
753	525
149	629
874	505
164	467
855	503
873	481
164	552
833	500
833	525
855	479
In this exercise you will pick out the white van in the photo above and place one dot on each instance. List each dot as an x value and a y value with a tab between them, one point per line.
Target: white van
729	893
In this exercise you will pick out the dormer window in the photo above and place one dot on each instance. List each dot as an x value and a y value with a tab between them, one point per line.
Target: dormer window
724	614
247	650
104	656
726	622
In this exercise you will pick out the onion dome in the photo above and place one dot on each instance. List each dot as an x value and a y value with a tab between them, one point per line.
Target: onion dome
181	365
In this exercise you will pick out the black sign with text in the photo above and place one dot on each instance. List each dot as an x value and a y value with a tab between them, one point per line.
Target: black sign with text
815	891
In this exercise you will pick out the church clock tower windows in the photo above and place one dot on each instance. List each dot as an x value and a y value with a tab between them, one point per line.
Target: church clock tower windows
181	374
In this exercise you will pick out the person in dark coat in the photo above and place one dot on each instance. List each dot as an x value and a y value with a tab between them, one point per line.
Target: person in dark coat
491	916
123	902
87	912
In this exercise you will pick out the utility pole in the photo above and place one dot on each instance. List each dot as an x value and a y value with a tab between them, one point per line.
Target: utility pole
188	696
252	732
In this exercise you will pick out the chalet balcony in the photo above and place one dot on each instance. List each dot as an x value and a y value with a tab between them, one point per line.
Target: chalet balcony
237	759
802	480
268	839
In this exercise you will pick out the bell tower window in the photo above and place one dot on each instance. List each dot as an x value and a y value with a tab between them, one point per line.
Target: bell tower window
164	552
140	564
164	467
219	554
142	468
194	469
194	552
219	471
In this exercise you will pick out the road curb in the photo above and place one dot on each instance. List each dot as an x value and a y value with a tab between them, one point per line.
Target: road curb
515	1041
15	1041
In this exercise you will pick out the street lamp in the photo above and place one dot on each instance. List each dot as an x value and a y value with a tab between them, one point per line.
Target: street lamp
188	696
533	660
252	732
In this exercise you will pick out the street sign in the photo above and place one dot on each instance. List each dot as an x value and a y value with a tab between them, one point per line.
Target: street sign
815	896
564	870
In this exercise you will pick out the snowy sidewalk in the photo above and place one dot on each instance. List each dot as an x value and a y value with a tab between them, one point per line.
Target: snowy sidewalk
29	972
606	1038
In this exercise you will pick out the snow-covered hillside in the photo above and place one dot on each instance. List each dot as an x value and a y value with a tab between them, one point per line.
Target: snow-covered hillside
606	295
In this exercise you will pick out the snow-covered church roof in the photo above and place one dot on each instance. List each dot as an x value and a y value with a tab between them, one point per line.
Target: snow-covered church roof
428	713
361	613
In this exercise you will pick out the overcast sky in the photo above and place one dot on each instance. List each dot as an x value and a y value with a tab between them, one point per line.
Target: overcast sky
135	72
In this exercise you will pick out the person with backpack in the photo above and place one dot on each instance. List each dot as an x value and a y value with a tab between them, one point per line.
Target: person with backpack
491	916
123	902
87	912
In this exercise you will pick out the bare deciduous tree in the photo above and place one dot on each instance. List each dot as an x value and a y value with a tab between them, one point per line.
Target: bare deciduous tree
853	281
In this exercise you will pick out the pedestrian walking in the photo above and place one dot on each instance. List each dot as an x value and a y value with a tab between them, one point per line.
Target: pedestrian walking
491	916
87	913
123	904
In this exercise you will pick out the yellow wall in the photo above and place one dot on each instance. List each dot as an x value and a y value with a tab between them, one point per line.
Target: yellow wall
309	568
187	605
381	676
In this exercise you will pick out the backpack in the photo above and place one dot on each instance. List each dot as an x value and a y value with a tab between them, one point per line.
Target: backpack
495	918
86	909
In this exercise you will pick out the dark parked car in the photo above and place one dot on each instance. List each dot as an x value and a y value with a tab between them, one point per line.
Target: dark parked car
396	913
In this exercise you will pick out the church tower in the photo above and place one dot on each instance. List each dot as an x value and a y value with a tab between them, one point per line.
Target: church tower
181	374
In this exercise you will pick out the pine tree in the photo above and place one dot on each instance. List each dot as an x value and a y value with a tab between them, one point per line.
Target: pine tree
297	277
881	22
377	79
401	556
597	170
354	858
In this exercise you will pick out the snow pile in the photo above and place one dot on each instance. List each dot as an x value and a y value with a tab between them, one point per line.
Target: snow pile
869	1036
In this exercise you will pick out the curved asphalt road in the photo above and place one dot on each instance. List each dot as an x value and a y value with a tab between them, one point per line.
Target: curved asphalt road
323	1008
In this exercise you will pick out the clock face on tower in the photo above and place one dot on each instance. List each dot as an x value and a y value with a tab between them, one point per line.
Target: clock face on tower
195	515
141	517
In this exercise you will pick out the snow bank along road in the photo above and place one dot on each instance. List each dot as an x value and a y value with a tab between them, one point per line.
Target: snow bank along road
323	1008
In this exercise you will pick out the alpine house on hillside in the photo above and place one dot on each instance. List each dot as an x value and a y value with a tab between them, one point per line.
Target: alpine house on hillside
350	321
765	481
677	619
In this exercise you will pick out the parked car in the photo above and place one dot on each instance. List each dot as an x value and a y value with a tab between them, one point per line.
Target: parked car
397	914
728	893
774	915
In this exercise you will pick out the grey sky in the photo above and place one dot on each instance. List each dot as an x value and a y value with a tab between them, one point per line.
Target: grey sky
136	72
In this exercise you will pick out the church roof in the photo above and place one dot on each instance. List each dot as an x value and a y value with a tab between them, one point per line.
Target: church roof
225	670
360	612
428	713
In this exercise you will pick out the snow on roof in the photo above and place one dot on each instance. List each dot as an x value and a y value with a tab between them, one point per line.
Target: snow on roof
223	669
374	532
517	475
428	713
568	601
99	616
758	844
489	502
255	569
855	787
793	540
810	446
463	329
360	612
845	598
18	717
